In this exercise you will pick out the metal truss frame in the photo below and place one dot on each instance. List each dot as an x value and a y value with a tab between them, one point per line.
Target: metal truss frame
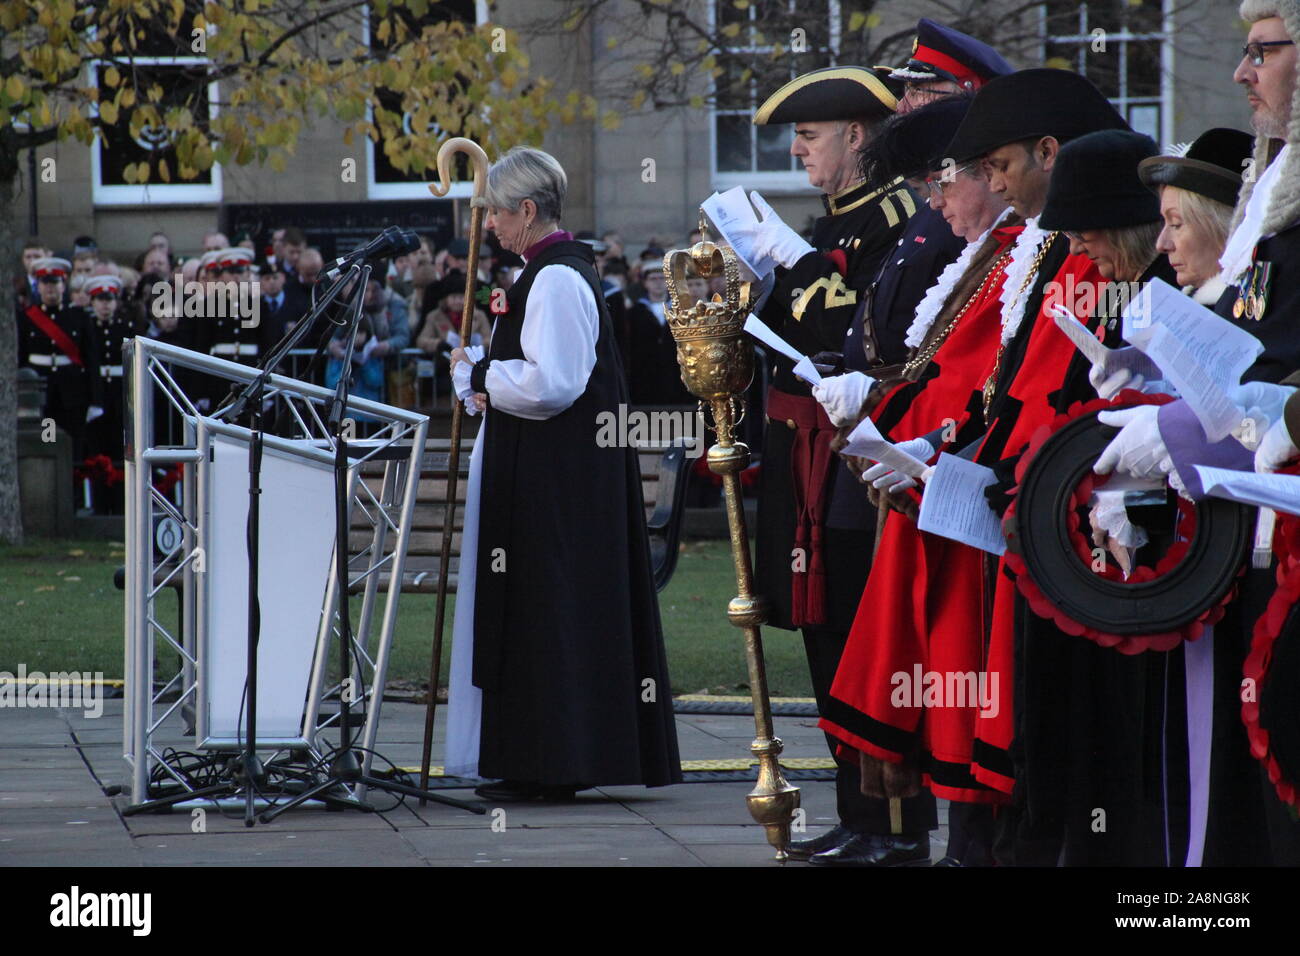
157	703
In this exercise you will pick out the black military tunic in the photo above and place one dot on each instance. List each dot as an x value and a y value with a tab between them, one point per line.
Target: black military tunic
812	307
71	386
104	434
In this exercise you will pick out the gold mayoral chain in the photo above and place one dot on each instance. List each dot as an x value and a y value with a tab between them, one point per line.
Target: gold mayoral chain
991	385
922	358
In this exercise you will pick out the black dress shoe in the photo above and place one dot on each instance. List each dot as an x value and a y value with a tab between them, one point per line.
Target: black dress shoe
522	791
949	861
836	836
509	791
869	849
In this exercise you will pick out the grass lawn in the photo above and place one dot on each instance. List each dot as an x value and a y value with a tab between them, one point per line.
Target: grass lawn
59	611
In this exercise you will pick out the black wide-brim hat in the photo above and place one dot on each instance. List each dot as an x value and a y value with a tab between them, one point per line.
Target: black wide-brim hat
833	93
1095	183
1212	165
912	144
1030	104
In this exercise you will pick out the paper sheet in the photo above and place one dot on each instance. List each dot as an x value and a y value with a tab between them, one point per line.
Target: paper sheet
1111	360
803	366
954	505
1202	354
732	218
865	441
1280	492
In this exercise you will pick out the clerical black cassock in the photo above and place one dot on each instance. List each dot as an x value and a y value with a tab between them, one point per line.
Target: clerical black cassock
567	646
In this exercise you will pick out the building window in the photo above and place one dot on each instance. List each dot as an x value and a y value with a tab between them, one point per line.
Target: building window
1124	49
760	155
161	62
383	179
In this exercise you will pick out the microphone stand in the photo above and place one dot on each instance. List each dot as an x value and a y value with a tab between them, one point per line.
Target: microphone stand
345	769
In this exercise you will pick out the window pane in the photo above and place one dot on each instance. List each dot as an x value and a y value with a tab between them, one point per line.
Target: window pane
733	134
1144	68
774	148
1145	119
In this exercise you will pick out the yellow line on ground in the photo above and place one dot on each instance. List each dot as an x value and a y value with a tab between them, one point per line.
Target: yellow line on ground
741	763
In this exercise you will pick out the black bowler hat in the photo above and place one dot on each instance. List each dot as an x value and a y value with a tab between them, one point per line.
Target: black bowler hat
453	283
833	93
1095	183
1211	166
941	53
1029	104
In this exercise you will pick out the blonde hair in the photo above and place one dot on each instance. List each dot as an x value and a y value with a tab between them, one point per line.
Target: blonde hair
1202	214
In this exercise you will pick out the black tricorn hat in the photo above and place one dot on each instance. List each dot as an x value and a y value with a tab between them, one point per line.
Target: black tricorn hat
833	93
1212	165
1029	104
1095	183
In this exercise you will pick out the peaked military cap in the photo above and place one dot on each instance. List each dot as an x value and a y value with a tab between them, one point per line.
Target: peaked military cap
941	53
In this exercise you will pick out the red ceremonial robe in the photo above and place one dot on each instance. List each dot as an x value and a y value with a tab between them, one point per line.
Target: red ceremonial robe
922	610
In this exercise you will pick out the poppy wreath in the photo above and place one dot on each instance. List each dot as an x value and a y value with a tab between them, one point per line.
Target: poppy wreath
1050	552
1274	652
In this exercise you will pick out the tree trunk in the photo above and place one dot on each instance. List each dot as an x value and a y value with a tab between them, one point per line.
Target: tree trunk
11	517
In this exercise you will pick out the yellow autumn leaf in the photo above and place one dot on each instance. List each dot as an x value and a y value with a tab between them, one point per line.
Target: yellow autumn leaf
14	87
112	77
856	21
108	112
611	121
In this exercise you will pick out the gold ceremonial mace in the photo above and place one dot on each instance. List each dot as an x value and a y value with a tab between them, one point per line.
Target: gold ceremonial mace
717	361
477	205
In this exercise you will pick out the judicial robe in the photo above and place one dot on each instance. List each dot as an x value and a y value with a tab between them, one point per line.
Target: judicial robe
812	307
568	649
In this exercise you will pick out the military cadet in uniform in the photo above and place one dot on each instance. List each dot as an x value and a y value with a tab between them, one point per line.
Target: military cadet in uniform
226	330
59	343
835	113
112	327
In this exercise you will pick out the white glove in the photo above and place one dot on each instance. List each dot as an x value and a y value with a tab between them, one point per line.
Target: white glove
1276	448
1123	368
1138	449
1108	386
1263	403
93	412
774	239
886	479
843	396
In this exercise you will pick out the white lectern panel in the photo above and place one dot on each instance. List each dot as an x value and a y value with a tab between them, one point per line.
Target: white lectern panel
296	531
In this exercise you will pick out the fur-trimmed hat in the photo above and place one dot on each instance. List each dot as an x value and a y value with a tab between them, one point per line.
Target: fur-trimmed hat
1284	204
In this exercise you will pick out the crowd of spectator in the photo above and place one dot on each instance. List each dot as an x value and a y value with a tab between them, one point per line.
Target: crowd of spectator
412	310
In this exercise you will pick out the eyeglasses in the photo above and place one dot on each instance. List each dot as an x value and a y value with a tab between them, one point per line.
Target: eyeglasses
1256	50
937	186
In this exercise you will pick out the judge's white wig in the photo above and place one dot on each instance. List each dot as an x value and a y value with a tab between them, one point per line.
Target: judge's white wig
527	173
1284	204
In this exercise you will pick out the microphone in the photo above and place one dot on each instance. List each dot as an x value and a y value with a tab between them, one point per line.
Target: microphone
393	241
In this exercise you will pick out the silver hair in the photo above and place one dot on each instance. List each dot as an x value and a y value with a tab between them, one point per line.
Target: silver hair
527	173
